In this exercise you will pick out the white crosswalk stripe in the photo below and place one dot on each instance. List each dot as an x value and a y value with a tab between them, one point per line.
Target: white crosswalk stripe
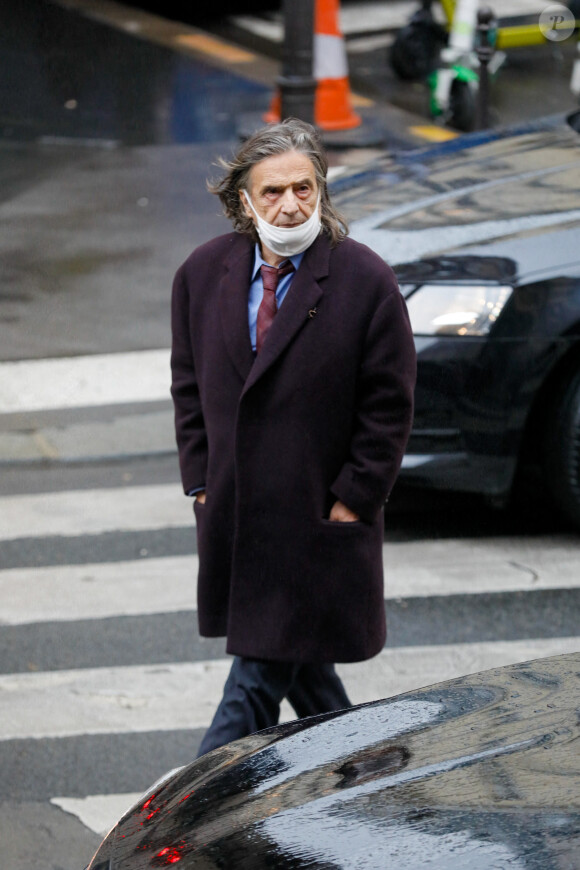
147	586
98	590
93	512
129	700
73	382
112	697
98	812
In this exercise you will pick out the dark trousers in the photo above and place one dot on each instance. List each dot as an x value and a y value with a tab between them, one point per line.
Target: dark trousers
255	688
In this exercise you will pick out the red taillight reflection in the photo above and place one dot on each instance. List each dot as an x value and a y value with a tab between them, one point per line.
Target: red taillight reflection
148	802
170	856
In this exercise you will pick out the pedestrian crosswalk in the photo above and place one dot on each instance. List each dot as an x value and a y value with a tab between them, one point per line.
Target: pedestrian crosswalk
103	664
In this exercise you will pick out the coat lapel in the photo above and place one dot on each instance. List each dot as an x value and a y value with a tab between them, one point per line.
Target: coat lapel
233	302
297	309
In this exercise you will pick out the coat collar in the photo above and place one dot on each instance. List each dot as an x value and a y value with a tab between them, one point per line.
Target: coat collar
299	305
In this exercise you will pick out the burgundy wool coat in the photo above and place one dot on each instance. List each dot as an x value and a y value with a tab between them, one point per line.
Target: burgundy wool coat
322	413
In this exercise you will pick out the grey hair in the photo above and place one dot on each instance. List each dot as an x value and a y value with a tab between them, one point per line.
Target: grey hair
289	135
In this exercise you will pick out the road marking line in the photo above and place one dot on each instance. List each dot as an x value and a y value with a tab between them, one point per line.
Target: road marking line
146	587
182	696
214	47
373	16
68	593
470	566
98	813
432	133
123	700
360	102
270	28
93	512
116	436
362	44
83	381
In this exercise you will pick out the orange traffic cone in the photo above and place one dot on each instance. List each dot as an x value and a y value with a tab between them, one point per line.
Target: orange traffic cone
332	103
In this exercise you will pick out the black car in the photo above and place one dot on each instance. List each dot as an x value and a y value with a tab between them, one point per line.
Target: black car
484	235
479	772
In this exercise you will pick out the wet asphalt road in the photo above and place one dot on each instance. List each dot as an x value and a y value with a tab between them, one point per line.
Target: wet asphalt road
106	142
64	76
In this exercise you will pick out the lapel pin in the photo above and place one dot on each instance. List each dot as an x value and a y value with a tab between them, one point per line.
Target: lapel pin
312	313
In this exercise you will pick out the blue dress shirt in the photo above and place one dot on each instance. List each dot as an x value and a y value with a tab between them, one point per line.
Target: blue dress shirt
257	289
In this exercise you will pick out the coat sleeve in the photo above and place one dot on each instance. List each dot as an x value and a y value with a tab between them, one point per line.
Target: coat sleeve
384	410
189	422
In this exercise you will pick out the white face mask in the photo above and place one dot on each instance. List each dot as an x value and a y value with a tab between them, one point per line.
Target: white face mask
287	241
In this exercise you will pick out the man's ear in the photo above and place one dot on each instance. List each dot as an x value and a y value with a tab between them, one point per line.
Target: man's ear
245	205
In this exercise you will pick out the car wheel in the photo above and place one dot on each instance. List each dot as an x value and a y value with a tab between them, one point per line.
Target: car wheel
562	451
461	106
414	52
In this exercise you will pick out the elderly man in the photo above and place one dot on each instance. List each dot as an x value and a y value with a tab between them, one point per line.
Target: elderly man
293	371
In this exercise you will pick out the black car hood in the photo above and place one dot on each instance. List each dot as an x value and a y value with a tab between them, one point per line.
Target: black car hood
475	202
478	772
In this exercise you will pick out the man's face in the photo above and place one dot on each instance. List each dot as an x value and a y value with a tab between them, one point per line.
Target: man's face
283	189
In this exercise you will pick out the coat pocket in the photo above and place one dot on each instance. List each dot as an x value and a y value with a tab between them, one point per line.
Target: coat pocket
357	524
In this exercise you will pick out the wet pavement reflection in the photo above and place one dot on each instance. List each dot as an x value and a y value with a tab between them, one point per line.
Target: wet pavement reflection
64	76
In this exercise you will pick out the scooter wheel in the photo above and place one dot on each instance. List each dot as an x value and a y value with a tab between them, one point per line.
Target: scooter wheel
461	106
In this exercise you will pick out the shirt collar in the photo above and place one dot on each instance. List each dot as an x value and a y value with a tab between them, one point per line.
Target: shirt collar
259	261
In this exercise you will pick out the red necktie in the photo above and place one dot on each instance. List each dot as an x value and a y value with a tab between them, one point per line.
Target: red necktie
268	305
